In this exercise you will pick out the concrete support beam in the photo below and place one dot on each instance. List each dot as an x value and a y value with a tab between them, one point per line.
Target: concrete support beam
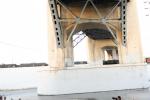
133	51
56	55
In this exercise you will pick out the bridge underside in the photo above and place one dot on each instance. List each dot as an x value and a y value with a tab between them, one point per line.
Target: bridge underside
98	34
105	23
66	18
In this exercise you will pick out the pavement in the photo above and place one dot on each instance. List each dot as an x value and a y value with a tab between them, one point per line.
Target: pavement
31	94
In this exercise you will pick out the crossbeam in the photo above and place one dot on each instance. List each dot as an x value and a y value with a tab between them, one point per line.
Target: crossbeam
76	20
78	39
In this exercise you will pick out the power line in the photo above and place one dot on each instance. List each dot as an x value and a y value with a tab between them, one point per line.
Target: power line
17	46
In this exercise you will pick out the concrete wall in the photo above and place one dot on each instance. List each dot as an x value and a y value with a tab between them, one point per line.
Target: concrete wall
77	79
87	79
19	78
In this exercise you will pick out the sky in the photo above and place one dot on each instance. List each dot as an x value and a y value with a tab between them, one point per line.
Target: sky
23	30
144	19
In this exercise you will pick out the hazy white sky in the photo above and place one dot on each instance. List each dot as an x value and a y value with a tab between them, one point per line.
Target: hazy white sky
23	30
144	15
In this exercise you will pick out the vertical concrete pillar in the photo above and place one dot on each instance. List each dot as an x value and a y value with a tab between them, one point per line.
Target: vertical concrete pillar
133	50
69	57
56	55
91	51
68	44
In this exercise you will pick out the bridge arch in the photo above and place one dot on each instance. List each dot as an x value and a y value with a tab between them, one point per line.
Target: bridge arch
93	30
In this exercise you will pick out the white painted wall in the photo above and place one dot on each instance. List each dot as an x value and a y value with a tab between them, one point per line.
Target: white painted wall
19	78
76	79
80	79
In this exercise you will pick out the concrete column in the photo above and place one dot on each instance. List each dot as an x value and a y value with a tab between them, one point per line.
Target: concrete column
133	50
69	58
114	54
56	55
91	49
68	45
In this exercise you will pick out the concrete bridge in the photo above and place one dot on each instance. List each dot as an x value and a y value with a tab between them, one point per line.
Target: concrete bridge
115	60
110	25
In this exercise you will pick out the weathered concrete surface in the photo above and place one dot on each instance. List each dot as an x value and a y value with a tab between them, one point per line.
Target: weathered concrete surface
87	79
31	94
134	53
22	78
